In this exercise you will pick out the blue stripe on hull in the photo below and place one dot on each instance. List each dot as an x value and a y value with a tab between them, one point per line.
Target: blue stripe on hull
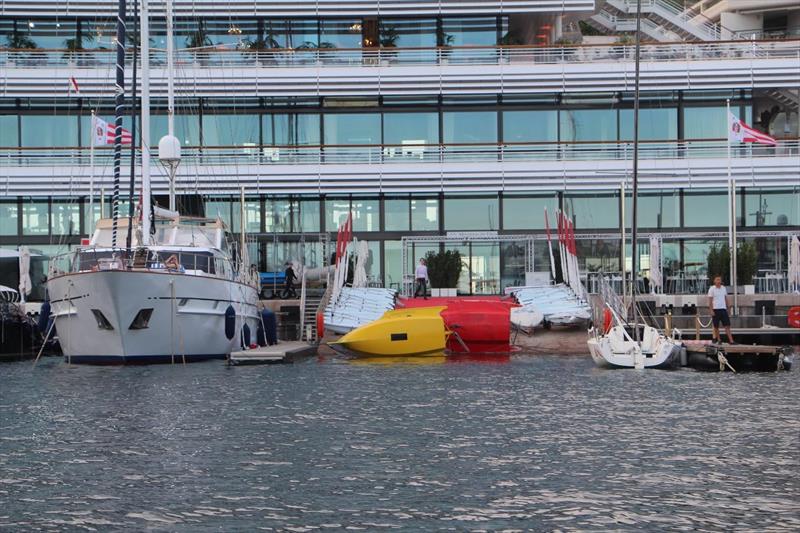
139	359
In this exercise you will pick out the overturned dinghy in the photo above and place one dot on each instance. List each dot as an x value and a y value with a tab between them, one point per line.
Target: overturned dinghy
402	332
355	307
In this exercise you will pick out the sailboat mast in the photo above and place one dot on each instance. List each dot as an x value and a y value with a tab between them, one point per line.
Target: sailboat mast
119	108
131	187
635	192
170	96
145	119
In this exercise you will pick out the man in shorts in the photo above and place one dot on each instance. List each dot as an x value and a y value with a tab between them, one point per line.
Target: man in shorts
718	305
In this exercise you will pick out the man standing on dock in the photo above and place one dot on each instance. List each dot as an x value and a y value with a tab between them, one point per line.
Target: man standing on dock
421	276
718	305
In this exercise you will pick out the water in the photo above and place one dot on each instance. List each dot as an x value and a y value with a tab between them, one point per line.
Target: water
545	443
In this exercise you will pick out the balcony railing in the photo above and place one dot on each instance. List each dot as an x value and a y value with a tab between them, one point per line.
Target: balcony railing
223	57
414	153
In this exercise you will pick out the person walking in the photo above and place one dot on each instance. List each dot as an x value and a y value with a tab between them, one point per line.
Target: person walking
421	276
289	277
718	305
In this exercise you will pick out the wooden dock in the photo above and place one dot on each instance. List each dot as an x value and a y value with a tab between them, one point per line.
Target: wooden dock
705	355
283	352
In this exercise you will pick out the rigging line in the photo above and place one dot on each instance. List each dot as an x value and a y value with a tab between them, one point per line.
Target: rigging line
119	107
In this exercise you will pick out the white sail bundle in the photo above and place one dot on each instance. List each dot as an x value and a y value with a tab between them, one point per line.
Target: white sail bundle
558	304
356	306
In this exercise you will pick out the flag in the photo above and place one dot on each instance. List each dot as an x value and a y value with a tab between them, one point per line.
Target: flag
103	133
738	131
73	85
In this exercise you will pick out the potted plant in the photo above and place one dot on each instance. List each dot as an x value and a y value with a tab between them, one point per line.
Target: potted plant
388	40
444	41
444	269
197	40
17	40
746	266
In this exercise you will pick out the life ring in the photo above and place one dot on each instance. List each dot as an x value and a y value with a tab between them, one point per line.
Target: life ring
794	317
320	325
608	320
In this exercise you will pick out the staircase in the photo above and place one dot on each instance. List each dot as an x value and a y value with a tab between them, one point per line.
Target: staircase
662	20
788	98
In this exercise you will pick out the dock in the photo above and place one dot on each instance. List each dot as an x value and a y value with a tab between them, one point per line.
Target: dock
737	357
283	352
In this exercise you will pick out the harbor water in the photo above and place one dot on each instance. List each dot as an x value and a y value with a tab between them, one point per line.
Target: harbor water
533	443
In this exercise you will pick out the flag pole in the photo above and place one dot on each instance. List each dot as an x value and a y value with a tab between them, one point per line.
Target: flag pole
731	213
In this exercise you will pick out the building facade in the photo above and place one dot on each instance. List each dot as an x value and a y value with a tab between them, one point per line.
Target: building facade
419	118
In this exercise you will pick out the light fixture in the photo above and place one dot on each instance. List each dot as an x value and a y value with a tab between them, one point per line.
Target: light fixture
31	24
234	30
58	24
355	28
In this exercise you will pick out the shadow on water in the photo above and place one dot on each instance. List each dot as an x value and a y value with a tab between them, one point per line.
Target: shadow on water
531	443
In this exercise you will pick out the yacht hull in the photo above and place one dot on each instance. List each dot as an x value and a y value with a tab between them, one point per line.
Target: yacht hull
613	351
142	316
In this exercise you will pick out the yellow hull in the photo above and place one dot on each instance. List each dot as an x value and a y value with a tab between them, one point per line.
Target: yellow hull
398	333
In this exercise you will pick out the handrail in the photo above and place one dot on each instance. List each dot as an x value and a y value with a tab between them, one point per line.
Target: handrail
414	153
216	57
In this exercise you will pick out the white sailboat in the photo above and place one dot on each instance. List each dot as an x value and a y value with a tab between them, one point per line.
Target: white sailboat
613	346
174	294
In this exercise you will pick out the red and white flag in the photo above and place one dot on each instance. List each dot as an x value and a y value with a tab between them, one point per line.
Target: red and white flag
73	86
738	131
103	133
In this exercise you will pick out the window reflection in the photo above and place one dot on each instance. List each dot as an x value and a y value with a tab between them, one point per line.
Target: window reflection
470	213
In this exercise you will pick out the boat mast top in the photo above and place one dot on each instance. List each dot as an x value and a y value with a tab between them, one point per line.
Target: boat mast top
145	120
169	147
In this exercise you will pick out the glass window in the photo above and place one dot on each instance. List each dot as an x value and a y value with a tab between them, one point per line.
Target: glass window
396	214
8	130
277	213
408	33
513	272
35	217
187	129
484	266
366	215
655	124
230	130
469	31
393	264
764	207
291	129
66	218
340	33
336	211
588	125
530	126
470	213
424	214
9	218
49	130
309	219
219	207
409	129
352	128
706	209
49	34
593	210
705	122
656	210
470	127
252	216
90	220
527	212
302	34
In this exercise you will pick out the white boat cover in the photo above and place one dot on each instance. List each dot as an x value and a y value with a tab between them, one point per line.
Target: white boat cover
557	303
356	306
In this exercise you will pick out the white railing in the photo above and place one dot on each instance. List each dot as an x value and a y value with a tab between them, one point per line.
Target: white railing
686	19
430	153
224	57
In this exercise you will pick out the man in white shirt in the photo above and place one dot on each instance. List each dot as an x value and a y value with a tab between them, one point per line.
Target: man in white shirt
421	275
718	305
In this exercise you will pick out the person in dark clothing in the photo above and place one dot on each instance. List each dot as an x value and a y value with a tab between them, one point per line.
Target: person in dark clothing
290	277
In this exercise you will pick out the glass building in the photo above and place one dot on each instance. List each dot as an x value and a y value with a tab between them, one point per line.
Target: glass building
418	119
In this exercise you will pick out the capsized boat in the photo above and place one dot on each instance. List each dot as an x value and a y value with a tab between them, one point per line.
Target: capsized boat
478	326
400	332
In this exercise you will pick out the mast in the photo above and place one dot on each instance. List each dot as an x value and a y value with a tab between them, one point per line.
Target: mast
131	187
145	117
119	108
169	147
635	192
